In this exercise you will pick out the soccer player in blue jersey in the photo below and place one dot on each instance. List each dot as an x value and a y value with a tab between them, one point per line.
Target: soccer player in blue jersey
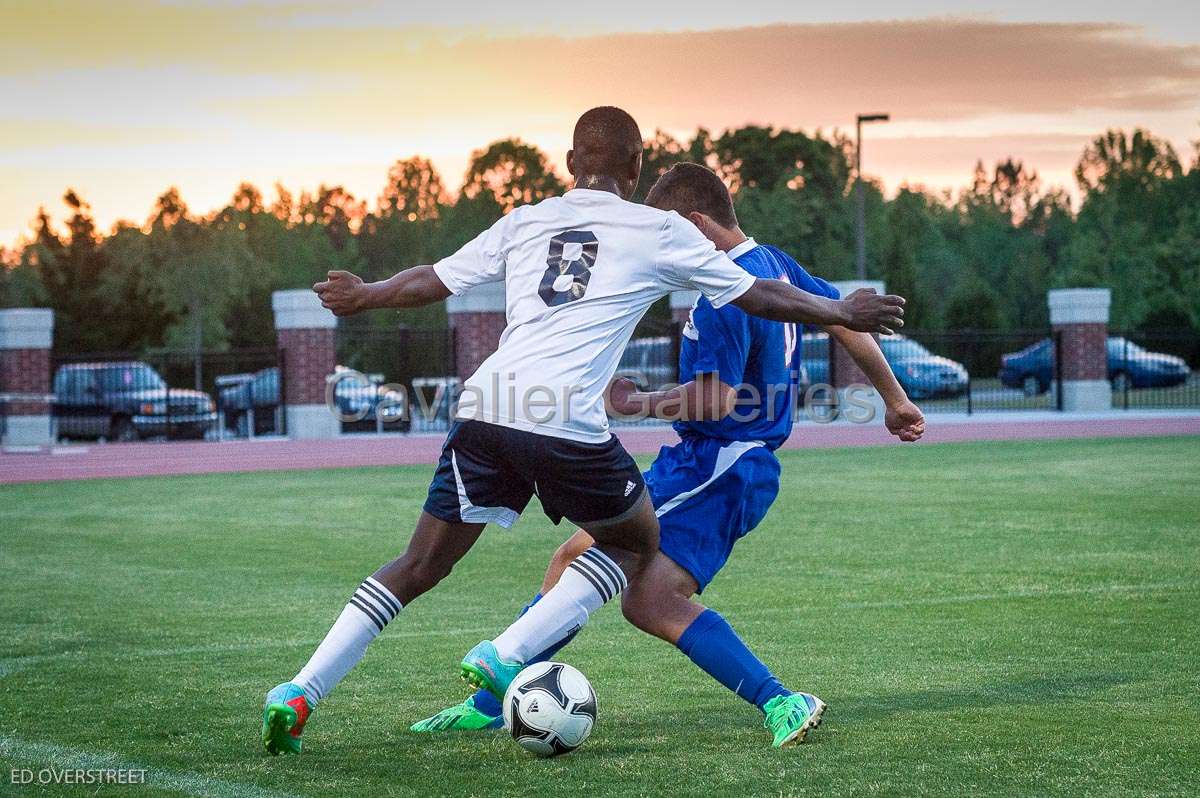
708	490
578	272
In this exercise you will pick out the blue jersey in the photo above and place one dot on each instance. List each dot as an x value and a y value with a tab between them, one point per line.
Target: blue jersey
758	357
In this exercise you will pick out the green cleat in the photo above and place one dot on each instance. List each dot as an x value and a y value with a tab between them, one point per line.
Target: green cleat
790	717
464	716
483	669
285	712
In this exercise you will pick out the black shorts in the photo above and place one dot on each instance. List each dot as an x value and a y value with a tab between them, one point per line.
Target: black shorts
487	474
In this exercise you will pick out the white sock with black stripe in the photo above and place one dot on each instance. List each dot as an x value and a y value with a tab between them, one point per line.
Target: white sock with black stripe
370	609
589	582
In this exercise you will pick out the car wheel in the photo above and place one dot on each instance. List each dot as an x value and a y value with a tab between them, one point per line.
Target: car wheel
1030	386
1121	382
122	430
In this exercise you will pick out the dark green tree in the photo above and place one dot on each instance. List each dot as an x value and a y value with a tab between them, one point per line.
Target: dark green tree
70	269
413	191
982	258
1119	161
200	271
513	173
658	155
907	236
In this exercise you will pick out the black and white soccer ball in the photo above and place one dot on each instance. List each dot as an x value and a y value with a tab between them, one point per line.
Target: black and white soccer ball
550	708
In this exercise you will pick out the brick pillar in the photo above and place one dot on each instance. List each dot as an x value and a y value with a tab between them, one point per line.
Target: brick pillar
26	335
682	303
843	371
1080	317
305	332
477	319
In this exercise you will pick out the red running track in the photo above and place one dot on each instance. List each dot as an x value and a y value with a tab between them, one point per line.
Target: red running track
155	459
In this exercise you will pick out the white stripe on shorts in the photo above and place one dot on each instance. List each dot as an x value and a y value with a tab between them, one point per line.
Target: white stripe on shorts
725	460
471	514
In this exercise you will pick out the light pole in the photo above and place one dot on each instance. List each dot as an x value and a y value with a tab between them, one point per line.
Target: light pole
860	211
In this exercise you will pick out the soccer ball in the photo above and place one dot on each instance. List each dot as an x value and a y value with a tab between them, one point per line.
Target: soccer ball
550	708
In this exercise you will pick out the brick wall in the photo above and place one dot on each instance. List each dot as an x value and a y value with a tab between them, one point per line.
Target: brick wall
1084	355
25	371
476	336
308	357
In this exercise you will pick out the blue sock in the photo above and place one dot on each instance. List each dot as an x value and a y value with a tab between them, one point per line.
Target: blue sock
487	703
712	644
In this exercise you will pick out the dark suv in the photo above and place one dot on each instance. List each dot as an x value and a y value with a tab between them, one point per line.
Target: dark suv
126	401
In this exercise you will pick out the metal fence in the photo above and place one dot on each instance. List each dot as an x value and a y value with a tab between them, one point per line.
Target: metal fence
1015	371
971	371
964	372
157	395
410	371
651	360
403	380
1154	369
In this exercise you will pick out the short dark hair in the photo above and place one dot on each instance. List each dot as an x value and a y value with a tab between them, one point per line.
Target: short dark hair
605	140
690	187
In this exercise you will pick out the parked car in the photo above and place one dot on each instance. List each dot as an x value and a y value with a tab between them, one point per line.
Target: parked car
126	401
923	374
1129	366
239	393
814	354
650	362
653	362
1031	369
360	396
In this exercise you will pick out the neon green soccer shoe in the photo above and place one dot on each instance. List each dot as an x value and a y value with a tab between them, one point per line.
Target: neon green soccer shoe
285	712
482	668
460	717
791	717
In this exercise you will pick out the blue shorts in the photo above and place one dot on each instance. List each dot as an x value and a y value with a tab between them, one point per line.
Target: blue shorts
707	494
488	473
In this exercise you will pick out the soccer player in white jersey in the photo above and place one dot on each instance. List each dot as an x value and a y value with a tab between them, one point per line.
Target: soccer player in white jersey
579	272
739	395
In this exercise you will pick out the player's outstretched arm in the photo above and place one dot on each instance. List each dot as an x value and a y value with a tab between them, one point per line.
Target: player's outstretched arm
864	310
346	294
705	398
902	418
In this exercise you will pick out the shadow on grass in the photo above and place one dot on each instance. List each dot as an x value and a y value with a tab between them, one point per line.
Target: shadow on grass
1037	690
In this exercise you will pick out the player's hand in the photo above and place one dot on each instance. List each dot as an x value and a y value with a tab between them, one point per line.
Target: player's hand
343	293
870	312
618	399
905	421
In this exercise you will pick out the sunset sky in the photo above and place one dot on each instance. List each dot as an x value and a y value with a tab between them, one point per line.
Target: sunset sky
121	99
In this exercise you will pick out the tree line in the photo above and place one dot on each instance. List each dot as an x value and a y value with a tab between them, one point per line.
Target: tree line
980	259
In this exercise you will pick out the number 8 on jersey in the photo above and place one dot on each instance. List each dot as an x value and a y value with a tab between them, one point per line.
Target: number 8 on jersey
568	267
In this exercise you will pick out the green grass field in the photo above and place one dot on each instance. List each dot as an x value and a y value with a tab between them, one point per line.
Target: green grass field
983	619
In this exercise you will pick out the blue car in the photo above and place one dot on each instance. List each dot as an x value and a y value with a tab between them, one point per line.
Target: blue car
1129	366
815	357
921	373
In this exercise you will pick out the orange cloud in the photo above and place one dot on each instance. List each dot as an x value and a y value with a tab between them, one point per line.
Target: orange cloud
94	90
938	69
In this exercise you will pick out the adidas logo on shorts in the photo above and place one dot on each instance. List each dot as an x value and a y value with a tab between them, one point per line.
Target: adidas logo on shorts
629	486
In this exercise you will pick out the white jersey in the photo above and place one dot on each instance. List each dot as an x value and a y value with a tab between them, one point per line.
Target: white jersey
579	271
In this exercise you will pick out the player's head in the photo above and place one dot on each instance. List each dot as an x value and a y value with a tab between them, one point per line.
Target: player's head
607	143
696	193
